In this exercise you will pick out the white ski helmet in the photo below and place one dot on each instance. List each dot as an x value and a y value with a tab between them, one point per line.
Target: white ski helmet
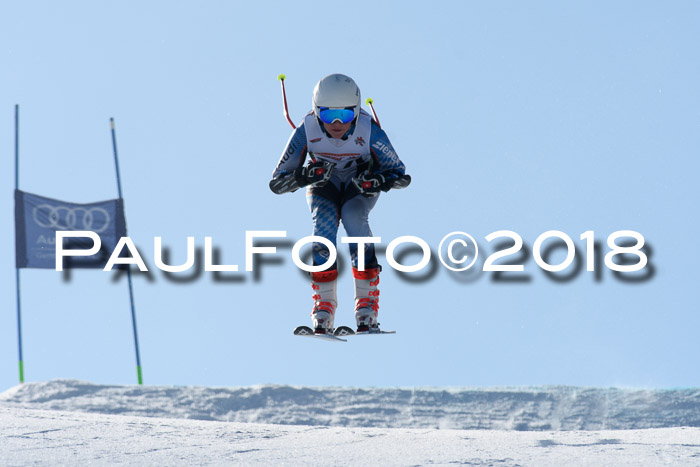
336	91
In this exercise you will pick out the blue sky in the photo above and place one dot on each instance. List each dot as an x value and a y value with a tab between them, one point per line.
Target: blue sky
520	116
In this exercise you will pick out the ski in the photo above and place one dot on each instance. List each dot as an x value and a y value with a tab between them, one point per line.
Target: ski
338	334
306	331
372	332
347	331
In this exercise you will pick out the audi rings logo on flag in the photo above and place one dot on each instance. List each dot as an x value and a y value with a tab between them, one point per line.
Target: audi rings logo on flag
59	217
39	219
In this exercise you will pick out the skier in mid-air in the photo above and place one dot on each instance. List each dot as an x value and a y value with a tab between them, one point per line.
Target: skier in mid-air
352	160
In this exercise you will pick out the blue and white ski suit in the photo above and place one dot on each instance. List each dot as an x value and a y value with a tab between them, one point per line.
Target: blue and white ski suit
365	147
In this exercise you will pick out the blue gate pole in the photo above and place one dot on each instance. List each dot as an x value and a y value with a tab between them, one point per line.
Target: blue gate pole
19	307
128	269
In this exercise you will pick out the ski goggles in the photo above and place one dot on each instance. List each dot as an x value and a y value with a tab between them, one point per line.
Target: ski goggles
328	115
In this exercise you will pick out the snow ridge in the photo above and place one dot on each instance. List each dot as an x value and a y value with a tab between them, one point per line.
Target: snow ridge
561	408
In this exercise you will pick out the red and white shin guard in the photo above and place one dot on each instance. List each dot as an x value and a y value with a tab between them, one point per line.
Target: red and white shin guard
366	298
324	285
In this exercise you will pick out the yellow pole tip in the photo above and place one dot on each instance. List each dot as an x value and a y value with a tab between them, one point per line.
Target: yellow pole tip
281	77
369	101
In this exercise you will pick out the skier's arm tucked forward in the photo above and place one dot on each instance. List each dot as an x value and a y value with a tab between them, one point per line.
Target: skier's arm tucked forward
290	173
386	170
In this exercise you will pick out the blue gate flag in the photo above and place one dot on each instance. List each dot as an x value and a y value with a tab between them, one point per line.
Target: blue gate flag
38	218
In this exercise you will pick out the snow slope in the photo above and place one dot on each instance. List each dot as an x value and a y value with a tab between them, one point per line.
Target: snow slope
544	408
70	422
59	438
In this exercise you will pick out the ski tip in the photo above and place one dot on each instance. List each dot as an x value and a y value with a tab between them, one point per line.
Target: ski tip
343	331
303	331
369	101
281	77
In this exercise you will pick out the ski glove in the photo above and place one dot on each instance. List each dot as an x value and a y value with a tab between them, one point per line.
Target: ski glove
369	184
315	173
395	180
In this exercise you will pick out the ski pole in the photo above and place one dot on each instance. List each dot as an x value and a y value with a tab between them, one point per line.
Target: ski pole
281	77
369	102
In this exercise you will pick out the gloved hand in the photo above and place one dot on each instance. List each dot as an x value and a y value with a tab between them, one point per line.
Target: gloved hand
369	184
315	173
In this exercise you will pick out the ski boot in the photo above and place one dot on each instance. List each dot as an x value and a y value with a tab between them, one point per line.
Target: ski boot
324	285
366	298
